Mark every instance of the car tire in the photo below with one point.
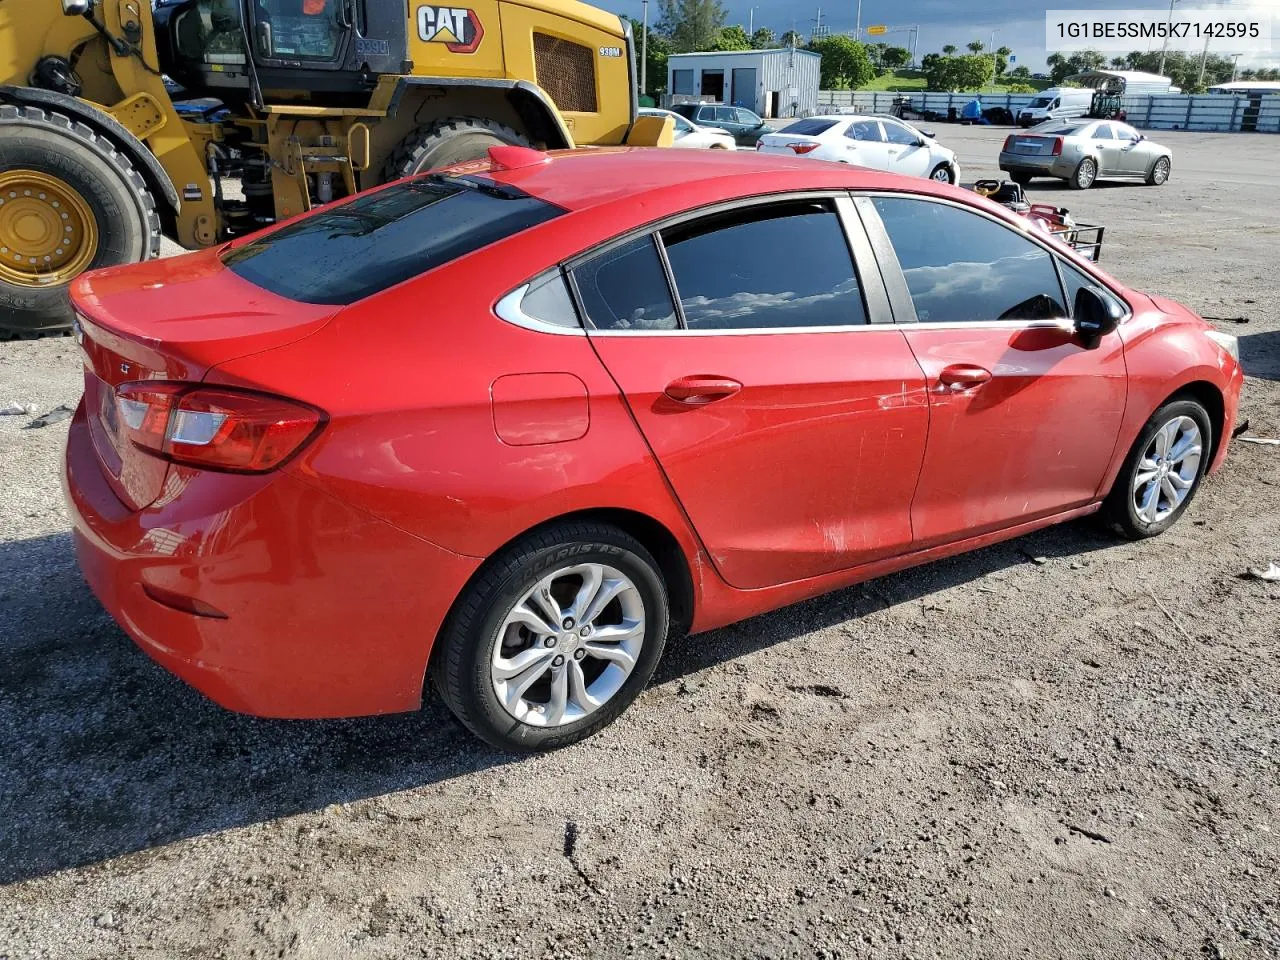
(465, 668)
(1021, 179)
(948, 176)
(1158, 175)
(1128, 508)
(1085, 174)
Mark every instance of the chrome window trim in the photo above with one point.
(745, 331)
(896, 279)
(510, 309)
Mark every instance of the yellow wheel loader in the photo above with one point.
(202, 120)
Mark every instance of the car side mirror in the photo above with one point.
(1095, 316)
(927, 133)
(76, 8)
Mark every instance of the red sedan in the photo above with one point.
(511, 426)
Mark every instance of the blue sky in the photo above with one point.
(1019, 25)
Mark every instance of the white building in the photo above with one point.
(1244, 88)
(1131, 83)
(773, 83)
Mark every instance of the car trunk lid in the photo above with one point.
(169, 320)
(1033, 146)
(782, 143)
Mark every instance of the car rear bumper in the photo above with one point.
(309, 608)
(1039, 166)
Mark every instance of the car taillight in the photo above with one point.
(214, 427)
(803, 147)
(1008, 144)
(759, 145)
(1057, 147)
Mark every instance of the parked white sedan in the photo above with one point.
(877, 142)
(691, 136)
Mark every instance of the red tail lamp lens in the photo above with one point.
(803, 147)
(1057, 146)
(215, 427)
(1008, 144)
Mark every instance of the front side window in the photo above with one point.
(625, 288)
(349, 251)
(780, 265)
(301, 29)
(1073, 279)
(896, 133)
(961, 267)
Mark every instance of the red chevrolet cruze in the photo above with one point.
(511, 426)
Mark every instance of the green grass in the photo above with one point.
(909, 81)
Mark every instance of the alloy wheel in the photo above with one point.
(1167, 471)
(568, 645)
(942, 175)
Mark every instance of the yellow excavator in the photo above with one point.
(202, 120)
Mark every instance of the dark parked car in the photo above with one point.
(745, 126)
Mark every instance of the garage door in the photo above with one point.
(744, 87)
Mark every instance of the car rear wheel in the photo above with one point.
(1159, 172)
(1084, 175)
(1163, 471)
(554, 638)
(942, 174)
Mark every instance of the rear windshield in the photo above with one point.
(809, 128)
(352, 251)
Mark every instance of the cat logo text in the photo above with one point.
(457, 28)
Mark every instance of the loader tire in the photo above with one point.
(444, 142)
(70, 201)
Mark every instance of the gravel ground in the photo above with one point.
(1063, 746)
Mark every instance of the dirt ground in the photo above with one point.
(1063, 746)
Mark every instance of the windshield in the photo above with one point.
(350, 251)
(1041, 102)
(810, 127)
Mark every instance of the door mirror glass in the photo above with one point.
(75, 8)
(1095, 316)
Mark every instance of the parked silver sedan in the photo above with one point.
(1081, 151)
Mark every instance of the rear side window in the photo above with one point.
(1103, 132)
(961, 267)
(777, 266)
(810, 127)
(625, 288)
(346, 253)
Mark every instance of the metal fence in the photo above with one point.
(1209, 112)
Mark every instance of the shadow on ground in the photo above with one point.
(106, 754)
(1260, 354)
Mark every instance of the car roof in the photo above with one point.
(598, 176)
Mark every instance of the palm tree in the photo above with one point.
(949, 49)
(1119, 63)
(975, 46)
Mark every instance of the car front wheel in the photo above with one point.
(1163, 471)
(942, 174)
(554, 638)
(1159, 172)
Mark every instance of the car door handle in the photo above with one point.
(700, 389)
(962, 376)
